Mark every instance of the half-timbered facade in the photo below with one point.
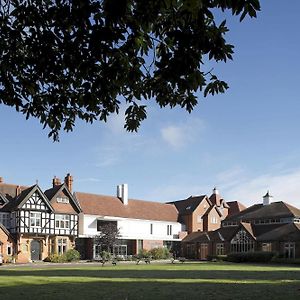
(40, 223)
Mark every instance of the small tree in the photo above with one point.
(108, 236)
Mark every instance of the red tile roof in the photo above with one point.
(102, 205)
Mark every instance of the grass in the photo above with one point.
(155, 281)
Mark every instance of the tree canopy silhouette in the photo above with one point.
(62, 60)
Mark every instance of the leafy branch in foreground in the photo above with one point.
(64, 60)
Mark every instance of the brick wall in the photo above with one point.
(150, 244)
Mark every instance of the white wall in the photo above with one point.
(130, 228)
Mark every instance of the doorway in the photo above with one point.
(35, 250)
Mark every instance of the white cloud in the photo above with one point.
(174, 192)
(179, 135)
(284, 186)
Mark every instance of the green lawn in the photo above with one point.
(155, 281)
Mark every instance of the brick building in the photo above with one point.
(269, 226)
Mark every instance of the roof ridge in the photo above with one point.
(131, 199)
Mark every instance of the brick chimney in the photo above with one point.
(1, 180)
(18, 190)
(69, 182)
(56, 181)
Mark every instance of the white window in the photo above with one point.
(62, 200)
(62, 221)
(35, 219)
(169, 229)
(199, 219)
(62, 246)
(214, 220)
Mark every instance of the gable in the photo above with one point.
(62, 200)
(62, 203)
(35, 201)
(3, 200)
(242, 236)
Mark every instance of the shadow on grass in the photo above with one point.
(148, 290)
(167, 273)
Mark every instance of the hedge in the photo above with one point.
(259, 256)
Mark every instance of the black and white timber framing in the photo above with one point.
(35, 215)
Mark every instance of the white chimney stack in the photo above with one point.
(122, 193)
(267, 198)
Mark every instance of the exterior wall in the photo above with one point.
(131, 228)
(188, 222)
(150, 244)
(5, 242)
(213, 226)
(67, 208)
(197, 213)
(48, 245)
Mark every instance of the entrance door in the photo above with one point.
(203, 251)
(35, 249)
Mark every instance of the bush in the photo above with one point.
(72, 255)
(56, 258)
(250, 257)
(105, 255)
(143, 253)
(160, 253)
(281, 260)
(69, 256)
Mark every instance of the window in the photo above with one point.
(214, 220)
(220, 249)
(242, 242)
(199, 219)
(289, 250)
(9, 250)
(120, 250)
(169, 229)
(151, 228)
(62, 246)
(35, 219)
(62, 221)
(266, 247)
(5, 219)
(52, 246)
(62, 200)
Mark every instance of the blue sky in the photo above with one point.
(244, 141)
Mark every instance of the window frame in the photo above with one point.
(33, 217)
(63, 221)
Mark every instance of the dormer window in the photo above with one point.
(62, 200)
(188, 207)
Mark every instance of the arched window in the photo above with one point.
(242, 242)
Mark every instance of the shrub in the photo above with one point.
(160, 253)
(281, 260)
(143, 253)
(105, 255)
(72, 255)
(56, 258)
(250, 257)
